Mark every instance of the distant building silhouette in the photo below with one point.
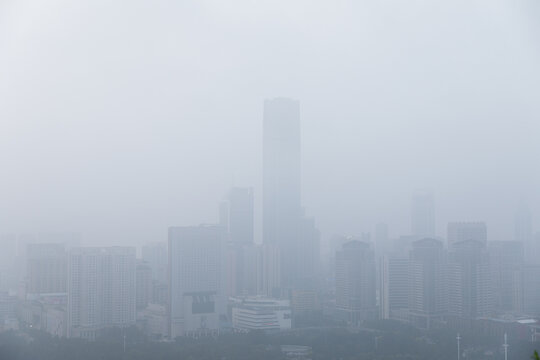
(460, 231)
(101, 289)
(427, 287)
(143, 277)
(506, 261)
(196, 279)
(46, 269)
(470, 290)
(281, 183)
(423, 215)
(155, 254)
(394, 289)
(355, 282)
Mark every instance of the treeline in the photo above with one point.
(383, 340)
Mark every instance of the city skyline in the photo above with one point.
(270, 179)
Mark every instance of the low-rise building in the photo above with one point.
(260, 313)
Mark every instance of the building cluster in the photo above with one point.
(463, 281)
(209, 278)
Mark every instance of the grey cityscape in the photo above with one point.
(269, 180)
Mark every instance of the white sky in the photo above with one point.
(118, 119)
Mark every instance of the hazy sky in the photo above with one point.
(120, 118)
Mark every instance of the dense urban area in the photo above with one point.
(209, 291)
(270, 180)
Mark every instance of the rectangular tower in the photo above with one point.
(355, 282)
(281, 182)
(196, 279)
(427, 287)
(101, 289)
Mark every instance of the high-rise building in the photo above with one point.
(269, 265)
(196, 279)
(423, 215)
(460, 231)
(355, 282)
(101, 289)
(470, 291)
(394, 290)
(281, 183)
(46, 269)
(237, 217)
(427, 288)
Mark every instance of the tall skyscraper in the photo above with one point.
(101, 289)
(196, 279)
(270, 270)
(237, 218)
(281, 182)
(427, 287)
(460, 231)
(355, 282)
(423, 215)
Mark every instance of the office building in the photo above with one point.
(236, 216)
(46, 269)
(394, 290)
(101, 290)
(269, 282)
(427, 288)
(506, 260)
(355, 283)
(260, 313)
(197, 277)
(281, 183)
(470, 290)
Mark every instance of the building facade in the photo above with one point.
(355, 283)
